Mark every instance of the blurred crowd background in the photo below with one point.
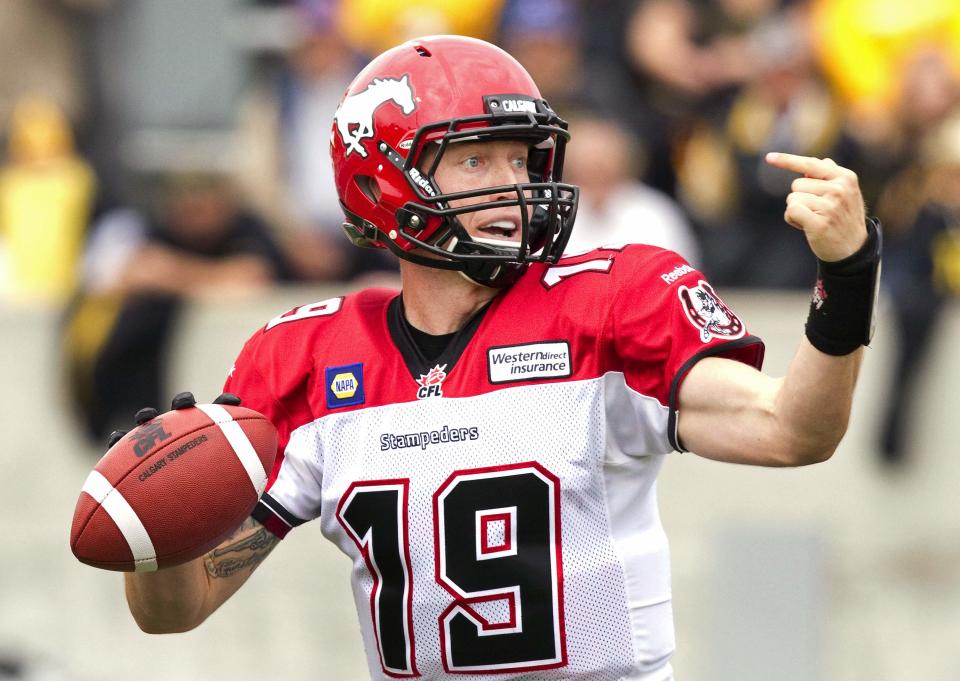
(158, 152)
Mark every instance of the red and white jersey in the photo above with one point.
(499, 504)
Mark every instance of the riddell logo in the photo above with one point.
(421, 182)
(431, 383)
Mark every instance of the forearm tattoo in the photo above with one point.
(251, 544)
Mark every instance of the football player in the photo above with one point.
(485, 444)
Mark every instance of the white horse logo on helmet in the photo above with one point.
(355, 116)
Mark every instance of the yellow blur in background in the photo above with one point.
(372, 26)
(863, 45)
(46, 194)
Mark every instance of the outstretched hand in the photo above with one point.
(825, 204)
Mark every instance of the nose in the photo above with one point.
(511, 173)
(506, 174)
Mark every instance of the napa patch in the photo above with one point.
(344, 385)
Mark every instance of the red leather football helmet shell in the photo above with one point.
(436, 90)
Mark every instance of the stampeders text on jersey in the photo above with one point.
(426, 438)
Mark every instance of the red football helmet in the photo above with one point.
(426, 94)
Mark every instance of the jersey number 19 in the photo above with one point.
(496, 540)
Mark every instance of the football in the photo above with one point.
(173, 488)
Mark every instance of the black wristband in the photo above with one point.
(841, 315)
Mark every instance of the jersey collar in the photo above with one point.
(417, 364)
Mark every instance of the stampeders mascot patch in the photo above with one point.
(707, 313)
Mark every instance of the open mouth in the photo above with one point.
(501, 230)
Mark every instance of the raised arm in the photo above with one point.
(179, 598)
(731, 412)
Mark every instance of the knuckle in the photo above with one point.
(115, 437)
(183, 400)
(228, 399)
(145, 414)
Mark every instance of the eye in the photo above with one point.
(520, 162)
(471, 162)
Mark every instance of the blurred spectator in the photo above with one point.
(616, 208)
(40, 53)
(285, 124)
(544, 36)
(693, 48)
(737, 198)
(921, 269)
(284, 133)
(136, 274)
(905, 169)
(690, 56)
(929, 92)
(46, 192)
(48, 50)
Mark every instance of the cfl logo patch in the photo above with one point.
(431, 383)
(429, 391)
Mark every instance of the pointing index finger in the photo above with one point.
(820, 168)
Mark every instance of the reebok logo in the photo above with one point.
(676, 273)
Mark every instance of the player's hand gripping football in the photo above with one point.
(180, 401)
(175, 486)
(825, 204)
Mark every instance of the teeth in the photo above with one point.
(505, 225)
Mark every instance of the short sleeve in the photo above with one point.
(292, 487)
(665, 318)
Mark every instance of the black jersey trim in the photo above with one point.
(273, 523)
(713, 351)
(271, 504)
(413, 357)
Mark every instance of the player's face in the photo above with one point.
(477, 165)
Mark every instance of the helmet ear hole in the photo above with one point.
(369, 186)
